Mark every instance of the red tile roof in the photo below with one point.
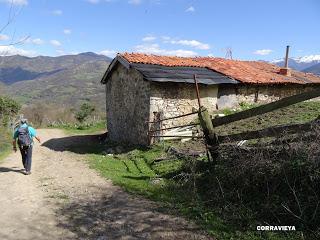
(243, 71)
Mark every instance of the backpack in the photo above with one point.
(24, 139)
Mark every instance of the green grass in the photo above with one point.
(5, 143)
(135, 172)
(131, 171)
(76, 129)
(298, 113)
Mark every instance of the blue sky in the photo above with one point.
(253, 29)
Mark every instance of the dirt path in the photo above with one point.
(64, 199)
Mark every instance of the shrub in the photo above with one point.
(8, 108)
(265, 183)
(276, 183)
(86, 109)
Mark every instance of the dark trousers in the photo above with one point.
(26, 154)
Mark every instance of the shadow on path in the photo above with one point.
(81, 144)
(5, 170)
(88, 144)
(120, 216)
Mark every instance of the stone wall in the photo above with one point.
(128, 106)
(174, 99)
(230, 96)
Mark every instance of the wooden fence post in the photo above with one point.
(156, 126)
(209, 134)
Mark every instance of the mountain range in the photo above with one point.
(304, 64)
(67, 80)
(72, 79)
(313, 69)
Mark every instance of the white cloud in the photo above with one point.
(277, 60)
(55, 43)
(4, 37)
(304, 59)
(263, 52)
(190, 9)
(149, 38)
(16, 2)
(166, 38)
(74, 52)
(135, 2)
(190, 43)
(11, 50)
(309, 58)
(155, 49)
(60, 52)
(108, 53)
(36, 41)
(67, 31)
(57, 12)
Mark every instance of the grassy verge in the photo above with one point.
(76, 129)
(297, 113)
(5, 143)
(165, 183)
(211, 198)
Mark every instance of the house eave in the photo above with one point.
(115, 61)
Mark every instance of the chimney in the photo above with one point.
(286, 71)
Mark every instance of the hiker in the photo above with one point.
(25, 134)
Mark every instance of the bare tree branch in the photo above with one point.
(11, 18)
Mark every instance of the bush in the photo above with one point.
(8, 108)
(5, 142)
(86, 109)
(266, 184)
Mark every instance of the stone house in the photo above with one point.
(141, 87)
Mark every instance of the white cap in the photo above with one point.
(24, 120)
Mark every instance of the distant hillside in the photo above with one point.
(313, 69)
(305, 64)
(297, 63)
(66, 80)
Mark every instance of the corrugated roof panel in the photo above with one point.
(181, 74)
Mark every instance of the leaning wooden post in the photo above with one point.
(208, 130)
(207, 127)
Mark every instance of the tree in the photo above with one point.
(8, 108)
(86, 109)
